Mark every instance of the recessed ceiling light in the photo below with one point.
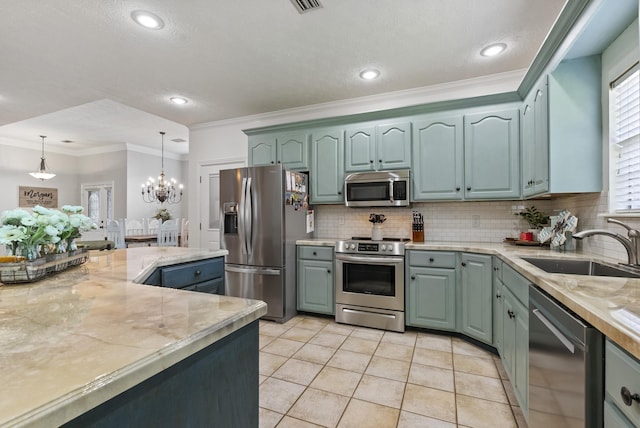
(493, 50)
(369, 74)
(178, 100)
(147, 19)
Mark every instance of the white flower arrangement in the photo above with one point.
(25, 234)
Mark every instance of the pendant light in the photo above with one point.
(42, 173)
(165, 190)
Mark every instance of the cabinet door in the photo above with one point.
(360, 149)
(491, 155)
(431, 300)
(498, 317)
(293, 150)
(316, 287)
(327, 166)
(476, 291)
(528, 147)
(521, 363)
(393, 145)
(437, 172)
(541, 139)
(262, 150)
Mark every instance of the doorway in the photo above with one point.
(97, 200)
(210, 201)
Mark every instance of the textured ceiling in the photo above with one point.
(235, 58)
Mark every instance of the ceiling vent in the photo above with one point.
(306, 5)
(179, 140)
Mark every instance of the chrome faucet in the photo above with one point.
(631, 244)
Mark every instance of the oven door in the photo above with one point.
(370, 281)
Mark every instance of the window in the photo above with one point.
(624, 140)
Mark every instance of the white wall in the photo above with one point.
(15, 165)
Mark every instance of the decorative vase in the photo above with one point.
(29, 251)
(376, 233)
(71, 244)
(61, 246)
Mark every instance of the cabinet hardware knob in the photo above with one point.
(463, 264)
(314, 253)
(468, 188)
(511, 314)
(431, 259)
(198, 272)
(371, 161)
(627, 397)
(498, 296)
(339, 192)
(458, 189)
(328, 270)
(278, 161)
(413, 277)
(272, 162)
(380, 160)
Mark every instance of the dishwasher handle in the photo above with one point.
(553, 329)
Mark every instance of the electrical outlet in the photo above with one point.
(475, 221)
(340, 220)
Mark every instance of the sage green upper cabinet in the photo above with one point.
(383, 146)
(262, 150)
(393, 148)
(360, 149)
(293, 150)
(438, 172)
(492, 155)
(290, 149)
(327, 166)
(535, 142)
(476, 314)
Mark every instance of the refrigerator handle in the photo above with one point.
(249, 217)
(241, 216)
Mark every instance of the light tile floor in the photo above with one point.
(315, 372)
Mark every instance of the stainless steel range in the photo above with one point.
(370, 283)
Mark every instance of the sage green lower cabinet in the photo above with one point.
(498, 324)
(476, 313)
(622, 375)
(512, 317)
(431, 291)
(316, 285)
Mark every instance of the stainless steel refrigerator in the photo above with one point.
(264, 211)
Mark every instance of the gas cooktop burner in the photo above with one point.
(364, 238)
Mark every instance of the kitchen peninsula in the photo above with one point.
(93, 346)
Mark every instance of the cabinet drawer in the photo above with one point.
(613, 418)
(622, 370)
(517, 284)
(315, 253)
(432, 259)
(180, 276)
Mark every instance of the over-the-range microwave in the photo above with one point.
(377, 189)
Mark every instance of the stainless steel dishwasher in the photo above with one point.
(566, 385)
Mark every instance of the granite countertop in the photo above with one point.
(72, 341)
(612, 305)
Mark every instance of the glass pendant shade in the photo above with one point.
(42, 174)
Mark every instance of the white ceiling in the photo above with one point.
(84, 71)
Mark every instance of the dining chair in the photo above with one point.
(184, 233)
(115, 233)
(168, 234)
(133, 227)
(153, 226)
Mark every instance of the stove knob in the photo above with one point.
(383, 247)
(352, 246)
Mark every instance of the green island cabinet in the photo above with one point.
(622, 386)
(511, 327)
(475, 311)
(316, 287)
(206, 276)
(431, 289)
(562, 130)
(378, 146)
(327, 166)
(438, 158)
(492, 154)
(290, 149)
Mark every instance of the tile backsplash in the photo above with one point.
(475, 221)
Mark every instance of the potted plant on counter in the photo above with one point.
(536, 220)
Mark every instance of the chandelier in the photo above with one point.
(165, 190)
(42, 173)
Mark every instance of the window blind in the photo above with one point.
(625, 140)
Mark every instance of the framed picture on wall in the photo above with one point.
(29, 197)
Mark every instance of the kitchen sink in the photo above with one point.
(581, 267)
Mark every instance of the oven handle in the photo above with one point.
(361, 259)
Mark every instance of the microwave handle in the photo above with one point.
(391, 191)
